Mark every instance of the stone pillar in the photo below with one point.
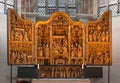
(19, 7)
(107, 4)
(5, 7)
(95, 8)
(78, 6)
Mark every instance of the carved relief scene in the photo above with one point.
(98, 53)
(20, 39)
(98, 40)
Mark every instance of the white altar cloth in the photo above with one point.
(61, 81)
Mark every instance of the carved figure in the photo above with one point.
(106, 59)
(46, 51)
(72, 52)
(21, 36)
(12, 35)
(17, 35)
(90, 36)
(95, 36)
(91, 59)
(63, 73)
(99, 37)
(103, 36)
(25, 36)
(24, 56)
(64, 50)
(80, 51)
(40, 51)
(54, 48)
(107, 36)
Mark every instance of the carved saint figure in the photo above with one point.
(12, 35)
(64, 50)
(95, 36)
(46, 50)
(79, 51)
(63, 72)
(25, 36)
(99, 36)
(107, 36)
(40, 51)
(90, 36)
(103, 36)
(21, 36)
(25, 58)
(73, 51)
(17, 35)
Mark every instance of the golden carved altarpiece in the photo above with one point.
(61, 44)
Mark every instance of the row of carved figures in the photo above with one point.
(98, 36)
(61, 72)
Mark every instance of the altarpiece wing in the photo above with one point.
(99, 41)
(20, 39)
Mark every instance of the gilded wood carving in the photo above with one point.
(62, 45)
(99, 41)
(20, 39)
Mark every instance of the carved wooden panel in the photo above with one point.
(20, 39)
(99, 41)
(43, 43)
(59, 44)
(77, 43)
